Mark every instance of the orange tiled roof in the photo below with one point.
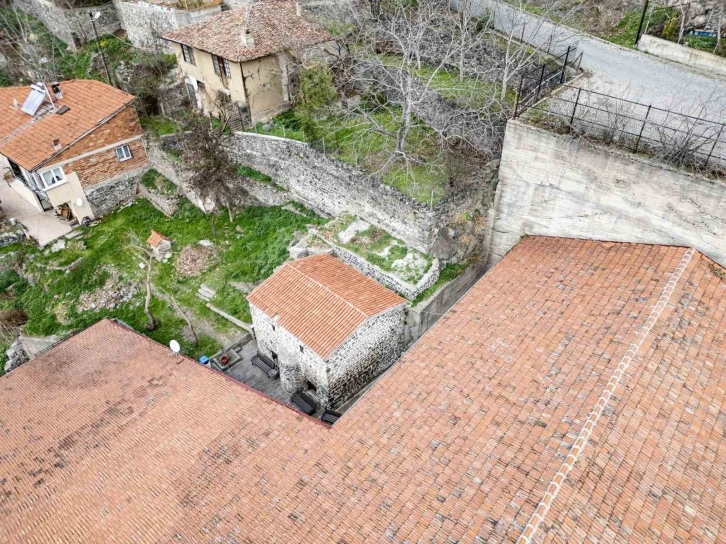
(274, 25)
(460, 441)
(155, 239)
(321, 300)
(28, 140)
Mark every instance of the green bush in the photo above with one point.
(671, 29)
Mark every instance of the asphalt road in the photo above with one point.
(619, 71)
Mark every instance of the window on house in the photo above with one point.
(215, 65)
(188, 53)
(227, 71)
(221, 65)
(52, 177)
(123, 153)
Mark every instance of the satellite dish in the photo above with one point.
(175, 347)
(79, 202)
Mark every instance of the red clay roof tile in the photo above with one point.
(321, 300)
(109, 436)
(28, 140)
(274, 25)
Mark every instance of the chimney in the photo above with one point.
(56, 144)
(298, 9)
(249, 39)
(57, 91)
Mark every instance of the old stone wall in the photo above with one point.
(166, 204)
(408, 290)
(145, 23)
(555, 185)
(332, 187)
(296, 366)
(173, 169)
(107, 196)
(371, 349)
(71, 25)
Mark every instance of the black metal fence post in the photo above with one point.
(577, 101)
(564, 66)
(642, 18)
(640, 135)
(718, 138)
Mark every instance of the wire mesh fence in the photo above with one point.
(680, 139)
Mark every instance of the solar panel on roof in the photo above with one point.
(34, 100)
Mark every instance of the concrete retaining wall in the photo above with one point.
(424, 315)
(65, 23)
(555, 185)
(685, 55)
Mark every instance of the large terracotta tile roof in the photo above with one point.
(273, 24)
(321, 300)
(576, 394)
(28, 140)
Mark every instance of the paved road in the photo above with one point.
(619, 71)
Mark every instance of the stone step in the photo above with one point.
(75, 233)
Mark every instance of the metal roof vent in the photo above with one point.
(62, 110)
(34, 100)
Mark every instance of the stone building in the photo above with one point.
(74, 146)
(241, 63)
(329, 328)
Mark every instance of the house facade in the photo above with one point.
(329, 329)
(74, 147)
(240, 64)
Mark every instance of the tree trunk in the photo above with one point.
(152, 324)
(404, 129)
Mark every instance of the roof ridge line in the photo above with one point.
(554, 487)
(316, 282)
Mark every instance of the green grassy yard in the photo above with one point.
(246, 250)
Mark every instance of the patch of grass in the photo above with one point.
(285, 125)
(249, 172)
(158, 125)
(249, 249)
(627, 30)
(450, 272)
(155, 182)
(378, 247)
(706, 43)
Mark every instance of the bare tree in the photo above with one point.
(147, 258)
(527, 37)
(34, 54)
(213, 175)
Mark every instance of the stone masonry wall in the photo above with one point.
(174, 170)
(372, 348)
(554, 185)
(63, 23)
(391, 281)
(375, 346)
(334, 188)
(145, 23)
(295, 366)
(107, 196)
